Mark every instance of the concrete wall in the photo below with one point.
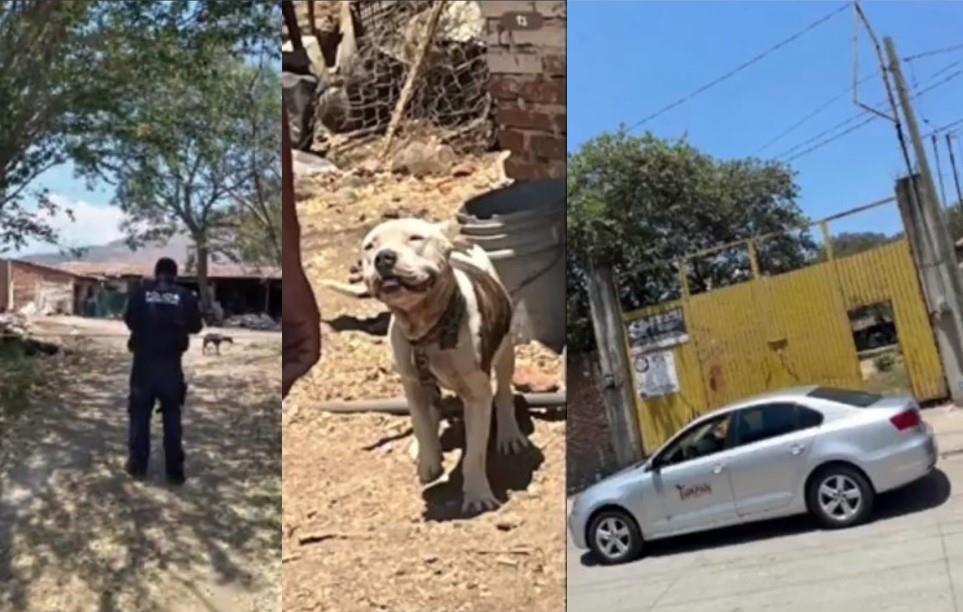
(528, 86)
(589, 453)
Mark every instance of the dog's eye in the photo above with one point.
(368, 246)
(416, 238)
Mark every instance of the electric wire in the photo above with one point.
(740, 67)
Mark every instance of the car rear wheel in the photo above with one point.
(615, 537)
(840, 496)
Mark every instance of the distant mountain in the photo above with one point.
(177, 248)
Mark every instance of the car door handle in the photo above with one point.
(797, 448)
(718, 469)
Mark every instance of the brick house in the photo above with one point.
(49, 289)
(526, 59)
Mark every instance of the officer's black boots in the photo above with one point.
(137, 473)
(176, 476)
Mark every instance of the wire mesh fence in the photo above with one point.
(450, 99)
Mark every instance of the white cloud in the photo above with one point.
(92, 225)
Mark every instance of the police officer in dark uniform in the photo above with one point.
(160, 315)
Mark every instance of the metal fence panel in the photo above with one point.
(786, 330)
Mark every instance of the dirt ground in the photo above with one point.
(360, 533)
(76, 533)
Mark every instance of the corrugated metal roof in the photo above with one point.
(45, 268)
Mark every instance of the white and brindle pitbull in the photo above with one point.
(450, 327)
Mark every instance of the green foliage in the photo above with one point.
(68, 69)
(47, 76)
(640, 203)
(851, 243)
(954, 221)
(190, 140)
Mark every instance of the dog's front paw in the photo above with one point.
(429, 469)
(478, 501)
(511, 442)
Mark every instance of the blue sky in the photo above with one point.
(627, 59)
(95, 220)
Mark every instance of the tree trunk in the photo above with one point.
(203, 254)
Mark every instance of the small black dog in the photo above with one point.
(216, 340)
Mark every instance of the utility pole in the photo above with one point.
(939, 272)
(939, 171)
(618, 392)
(956, 177)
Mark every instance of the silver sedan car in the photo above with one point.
(814, 449)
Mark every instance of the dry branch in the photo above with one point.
(413, 75)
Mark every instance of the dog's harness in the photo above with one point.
(444, 332)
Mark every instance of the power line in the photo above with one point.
(825, 142)
(829, 130)
(945, 68)
(809, 116)
(947, 127)
(950, 77)
(849, 120)
(740, 67)
(933, 52)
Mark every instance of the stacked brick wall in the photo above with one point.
(528, 85)
(29, 281)
(589, 453)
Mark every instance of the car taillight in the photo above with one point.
(906, 420)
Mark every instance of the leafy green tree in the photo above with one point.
(641, 203)
(48, 78)
(68, 67)
(190, 80)
(257, 195)
(181, 161)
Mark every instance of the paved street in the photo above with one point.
(909, 558)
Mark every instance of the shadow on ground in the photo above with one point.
(71, 519)
(928, 493)
(506, 473)
(376, 325)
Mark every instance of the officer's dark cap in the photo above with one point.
(165, 267)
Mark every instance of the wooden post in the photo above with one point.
(291, 22)
(314, 26)
(413, 74)
(618, 392)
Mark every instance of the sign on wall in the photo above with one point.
(658, 331)
(655, 374)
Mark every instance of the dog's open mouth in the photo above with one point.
(393, 284)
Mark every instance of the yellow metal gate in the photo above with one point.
(784, 330)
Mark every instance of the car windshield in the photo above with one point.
(859, 399)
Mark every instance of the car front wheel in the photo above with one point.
(840, 496)
(614, 537)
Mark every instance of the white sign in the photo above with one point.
(658, 331)
(655, 374)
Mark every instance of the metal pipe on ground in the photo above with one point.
(399, 405)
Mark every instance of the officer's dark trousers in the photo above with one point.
(155, 380)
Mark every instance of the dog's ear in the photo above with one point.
(451, 230)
